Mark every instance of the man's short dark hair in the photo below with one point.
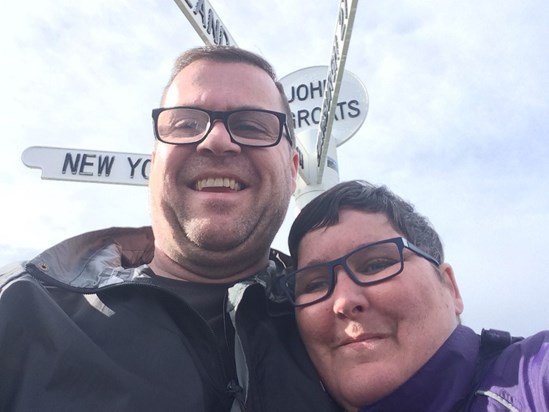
(231, 54)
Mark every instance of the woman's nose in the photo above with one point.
(349, 299)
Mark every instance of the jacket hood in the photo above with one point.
(96, 259)
(103, 258)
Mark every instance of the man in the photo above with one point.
(378, 310)
(93, 324)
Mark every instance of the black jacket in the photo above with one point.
(83, 328)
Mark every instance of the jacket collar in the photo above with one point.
(443, 381)
(92, 261)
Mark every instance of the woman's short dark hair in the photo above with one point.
(323, 211)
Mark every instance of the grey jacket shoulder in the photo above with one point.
(102, 258)
(11, 272)
(112, 328)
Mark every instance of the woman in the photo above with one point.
(378, 310)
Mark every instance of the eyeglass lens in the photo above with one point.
(368, 264)
(250, 127)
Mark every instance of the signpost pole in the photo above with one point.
(305, 90)
(97, 166)
(342, 37)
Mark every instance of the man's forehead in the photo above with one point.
(230, 84)
(213, 71)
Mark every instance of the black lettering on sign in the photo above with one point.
(315, 115)
(82, 164)
(73, 165)
(223, 35)
(316, 88)
(133, 165)
(144, 170)
(341, 20)
(213, 26)
(304, 91)
(303, 118)
(210, 23)
(85, 163)
(105, 165)
(328, 96)
(199, 8)
(340, 106)
(354, 110)
(345, 110)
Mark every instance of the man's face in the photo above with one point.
(227, 224)
(366, 341)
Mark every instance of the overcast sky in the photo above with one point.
(458, 120)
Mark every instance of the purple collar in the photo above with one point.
(441, 382)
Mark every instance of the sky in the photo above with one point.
(457, 123)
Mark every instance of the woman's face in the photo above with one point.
(365, 341)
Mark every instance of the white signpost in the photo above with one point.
(342, 38)
(89, 165)
(309, 183)
(305, 91)
(205, 21)
(318, 111)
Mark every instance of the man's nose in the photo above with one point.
(218, 141)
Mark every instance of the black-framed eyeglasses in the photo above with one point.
(247, 127)
(366, 265)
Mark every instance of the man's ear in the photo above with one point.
(449, 280)
(294, 165)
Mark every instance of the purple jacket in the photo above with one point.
(517, 380)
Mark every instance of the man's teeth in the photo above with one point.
(218, 182)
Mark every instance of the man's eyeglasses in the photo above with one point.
(367, 265)
(246, 127)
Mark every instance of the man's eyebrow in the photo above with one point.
(244, 107)
(248, 107)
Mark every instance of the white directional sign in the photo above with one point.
(305, 91)
(326, 101)
(205, 21)
(89, 165)
(342, 37)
